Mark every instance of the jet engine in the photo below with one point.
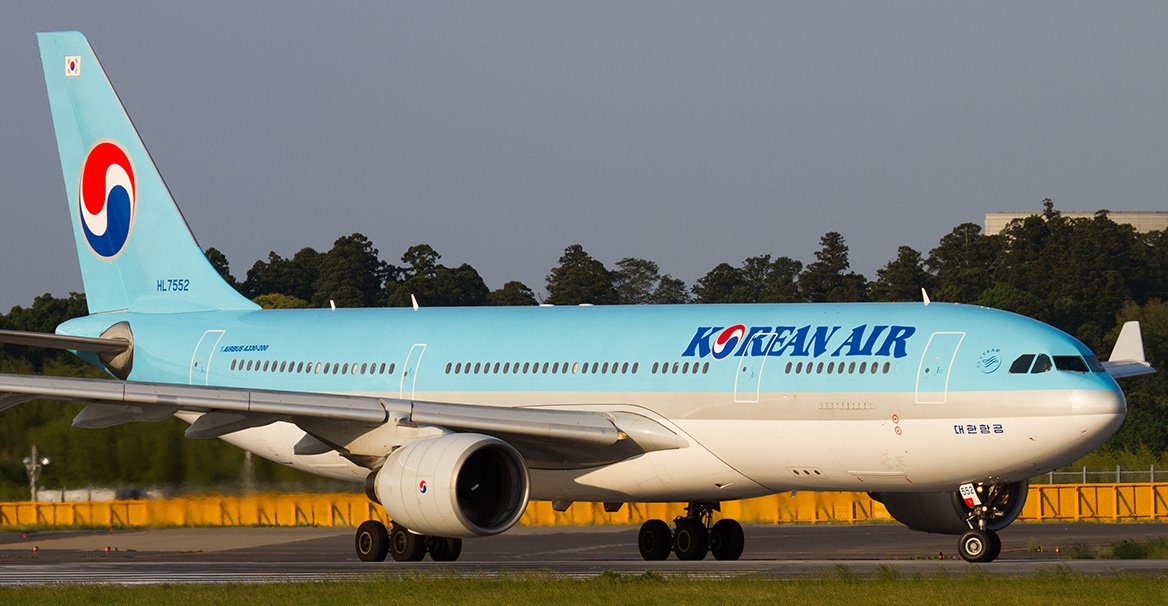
(456, 485)
(946, 512)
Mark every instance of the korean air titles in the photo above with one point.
(800, 341)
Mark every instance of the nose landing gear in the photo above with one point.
(693, 536)
(980, 543)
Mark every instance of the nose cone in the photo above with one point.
(1098, 413)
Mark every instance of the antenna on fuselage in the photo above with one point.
(414, 301)
(925, 296)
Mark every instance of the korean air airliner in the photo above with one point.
(454, 418)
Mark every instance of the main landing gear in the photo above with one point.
(374, 543)
(693, 536)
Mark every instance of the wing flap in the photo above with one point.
(582, 427)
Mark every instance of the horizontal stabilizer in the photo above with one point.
(1127, 358)
(52, 341)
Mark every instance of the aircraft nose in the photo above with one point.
(1098, 413)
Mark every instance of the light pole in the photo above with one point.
(33, 466)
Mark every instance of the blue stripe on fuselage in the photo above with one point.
(778, 335)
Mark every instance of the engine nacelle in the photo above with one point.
(946, 513)
(456, 485)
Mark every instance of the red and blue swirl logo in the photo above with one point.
(422, 487)
(727, 341)
(107, 198)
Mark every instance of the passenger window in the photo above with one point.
(1041, 364)
(1022, 364)
(1070, 363)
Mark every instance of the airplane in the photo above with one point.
(455, 418)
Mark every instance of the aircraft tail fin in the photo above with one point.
(134, 246)
(1127, 358)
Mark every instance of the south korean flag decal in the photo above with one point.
(73, 65)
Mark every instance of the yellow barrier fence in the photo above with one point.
(1053, 502)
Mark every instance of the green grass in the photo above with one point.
(842, 587)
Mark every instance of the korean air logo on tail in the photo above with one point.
(107, 199)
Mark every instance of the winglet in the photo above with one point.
(1127, 358)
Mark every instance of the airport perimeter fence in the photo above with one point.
(1117, 502)
(1118, 474)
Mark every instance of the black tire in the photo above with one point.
(691, 541)
(727, 540)
(372, 541)
(977, 546)
(654, 540)
(995, 546)
(443, 549)
(406, 546)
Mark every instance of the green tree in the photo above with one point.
(277, 300)
(671, 291)
(512, 293)
(723, 284)
(963, 264)
(434, 284)
(350, 274)
(827, 279)
(580, 279)
(219, 262)
(902, 278)
(640, 281)
(294, 277)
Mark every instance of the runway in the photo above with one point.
(259, 555)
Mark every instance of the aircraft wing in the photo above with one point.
(548, 435)
(1127, 358)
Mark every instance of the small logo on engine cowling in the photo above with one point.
(422, 487)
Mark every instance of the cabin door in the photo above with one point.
(201, 358)
(935, 367)
(409, 378)
(749, 377)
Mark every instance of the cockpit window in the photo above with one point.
(1070, 363)
(1094, 364)
(1022, 364)
(1041, 364)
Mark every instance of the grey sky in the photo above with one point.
(686, 133)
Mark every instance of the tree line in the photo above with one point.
(1085, 276)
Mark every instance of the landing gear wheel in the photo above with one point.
(654, 540)
(372, 541)
(406, 546)
(727, 540)
(690, 539)
(995, 546)
(443, 550)
(978, 546)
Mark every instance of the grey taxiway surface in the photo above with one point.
(216, 555)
